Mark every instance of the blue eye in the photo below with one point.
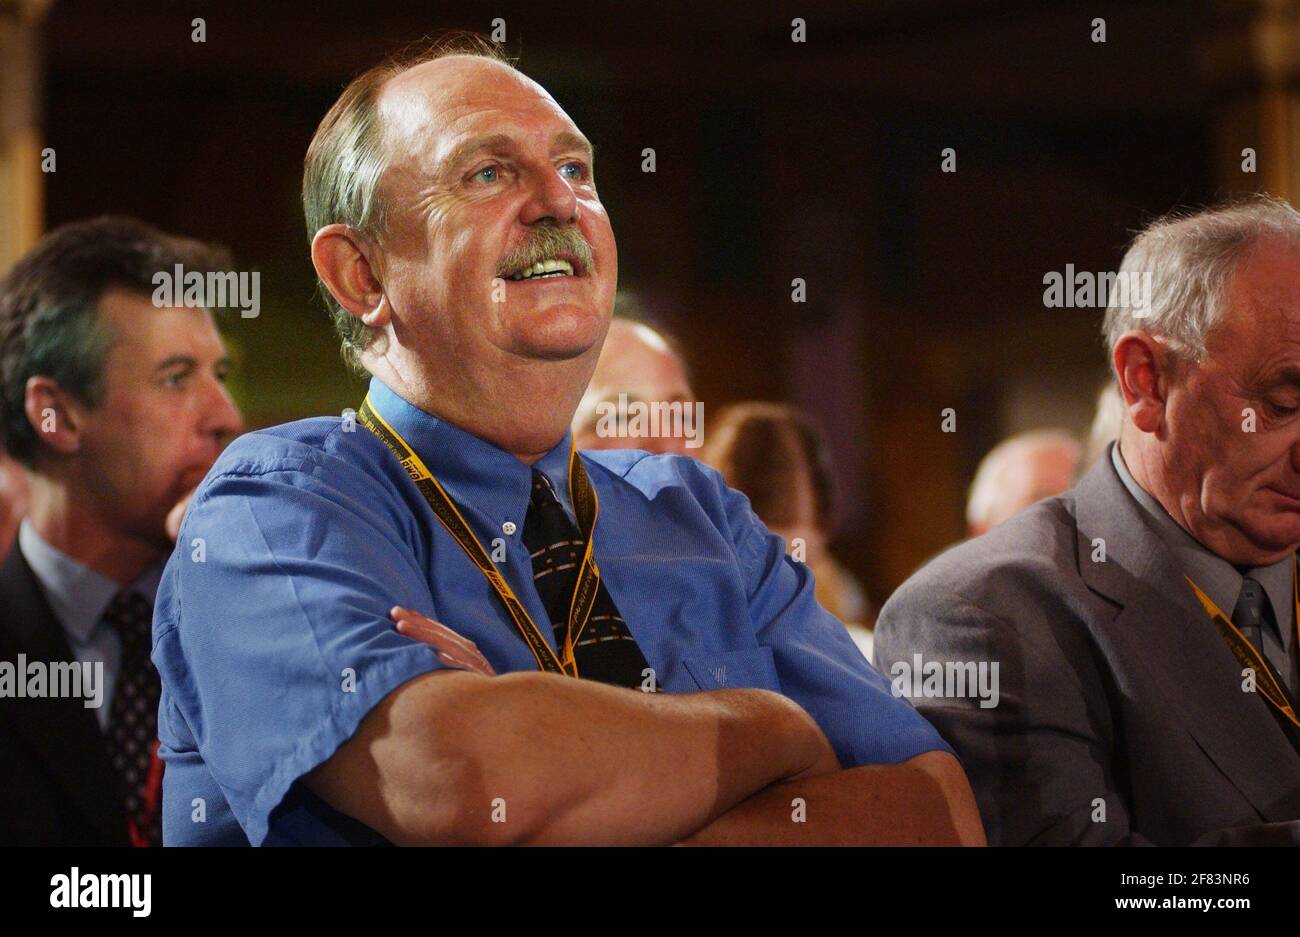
(579, 170)
(486, 174)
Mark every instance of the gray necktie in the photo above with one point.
(1253, 613)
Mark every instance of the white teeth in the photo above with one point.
(543, 267)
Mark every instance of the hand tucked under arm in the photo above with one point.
(923, 801)
(453, 649)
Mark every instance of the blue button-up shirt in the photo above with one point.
(272, 634)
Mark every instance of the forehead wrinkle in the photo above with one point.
(412, 106)
(1276, 361)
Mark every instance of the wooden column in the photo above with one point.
(22, 203)
(1252, 59)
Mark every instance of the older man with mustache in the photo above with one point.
(471, 267)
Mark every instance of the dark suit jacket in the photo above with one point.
(1115, 687)
(58, 786)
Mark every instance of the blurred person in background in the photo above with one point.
(1018, 472)
(13, 501)
(115, 408)
(774, 455)
(645, 365)
(1106, 423)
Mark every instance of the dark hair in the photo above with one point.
(49, 309)
(761, 449)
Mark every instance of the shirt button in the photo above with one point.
(508, 528)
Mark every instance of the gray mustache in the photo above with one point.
(547, 242)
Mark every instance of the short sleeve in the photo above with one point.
(272, 634)
(818, 664)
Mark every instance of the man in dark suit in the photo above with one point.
(1141, 628)
(115, 407)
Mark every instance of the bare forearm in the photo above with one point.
(568, 761)
(924, 801)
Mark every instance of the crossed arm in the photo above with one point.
(465, 756)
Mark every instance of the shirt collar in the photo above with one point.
(473, 471)
(1218, 578)
(78, 595)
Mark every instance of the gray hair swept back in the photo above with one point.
(1191, 257)
(347, 158)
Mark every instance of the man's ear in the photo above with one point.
(1144, 367)
(342, 258)
(53, 414)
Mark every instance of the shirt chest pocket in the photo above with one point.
(750, 668)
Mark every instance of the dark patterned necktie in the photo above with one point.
(606, 650)
(133, 718)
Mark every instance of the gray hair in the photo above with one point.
(1191, 258)
(347, 159)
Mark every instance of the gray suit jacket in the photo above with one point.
(1114, 686)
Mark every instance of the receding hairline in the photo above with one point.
(638, 333)
(441, 61)
(404, 85)
(624, 339)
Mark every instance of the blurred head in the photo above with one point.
(644, 365)
(1107, 419)
(1016, 473)
(1211, 378)
(13, 501)
(456, 224)
(118, 403)
(775, 456)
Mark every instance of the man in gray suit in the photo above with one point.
(1124, 706)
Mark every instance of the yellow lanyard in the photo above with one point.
(1246, 653)
(585, 506)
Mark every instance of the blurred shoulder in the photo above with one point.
(1033, 554)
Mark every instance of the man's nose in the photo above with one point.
(551, 197)
(222, 416)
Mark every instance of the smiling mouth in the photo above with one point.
(546, 269)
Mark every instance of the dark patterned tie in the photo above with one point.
(133, 719)
(606, 650)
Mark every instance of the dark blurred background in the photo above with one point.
(775, 160)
